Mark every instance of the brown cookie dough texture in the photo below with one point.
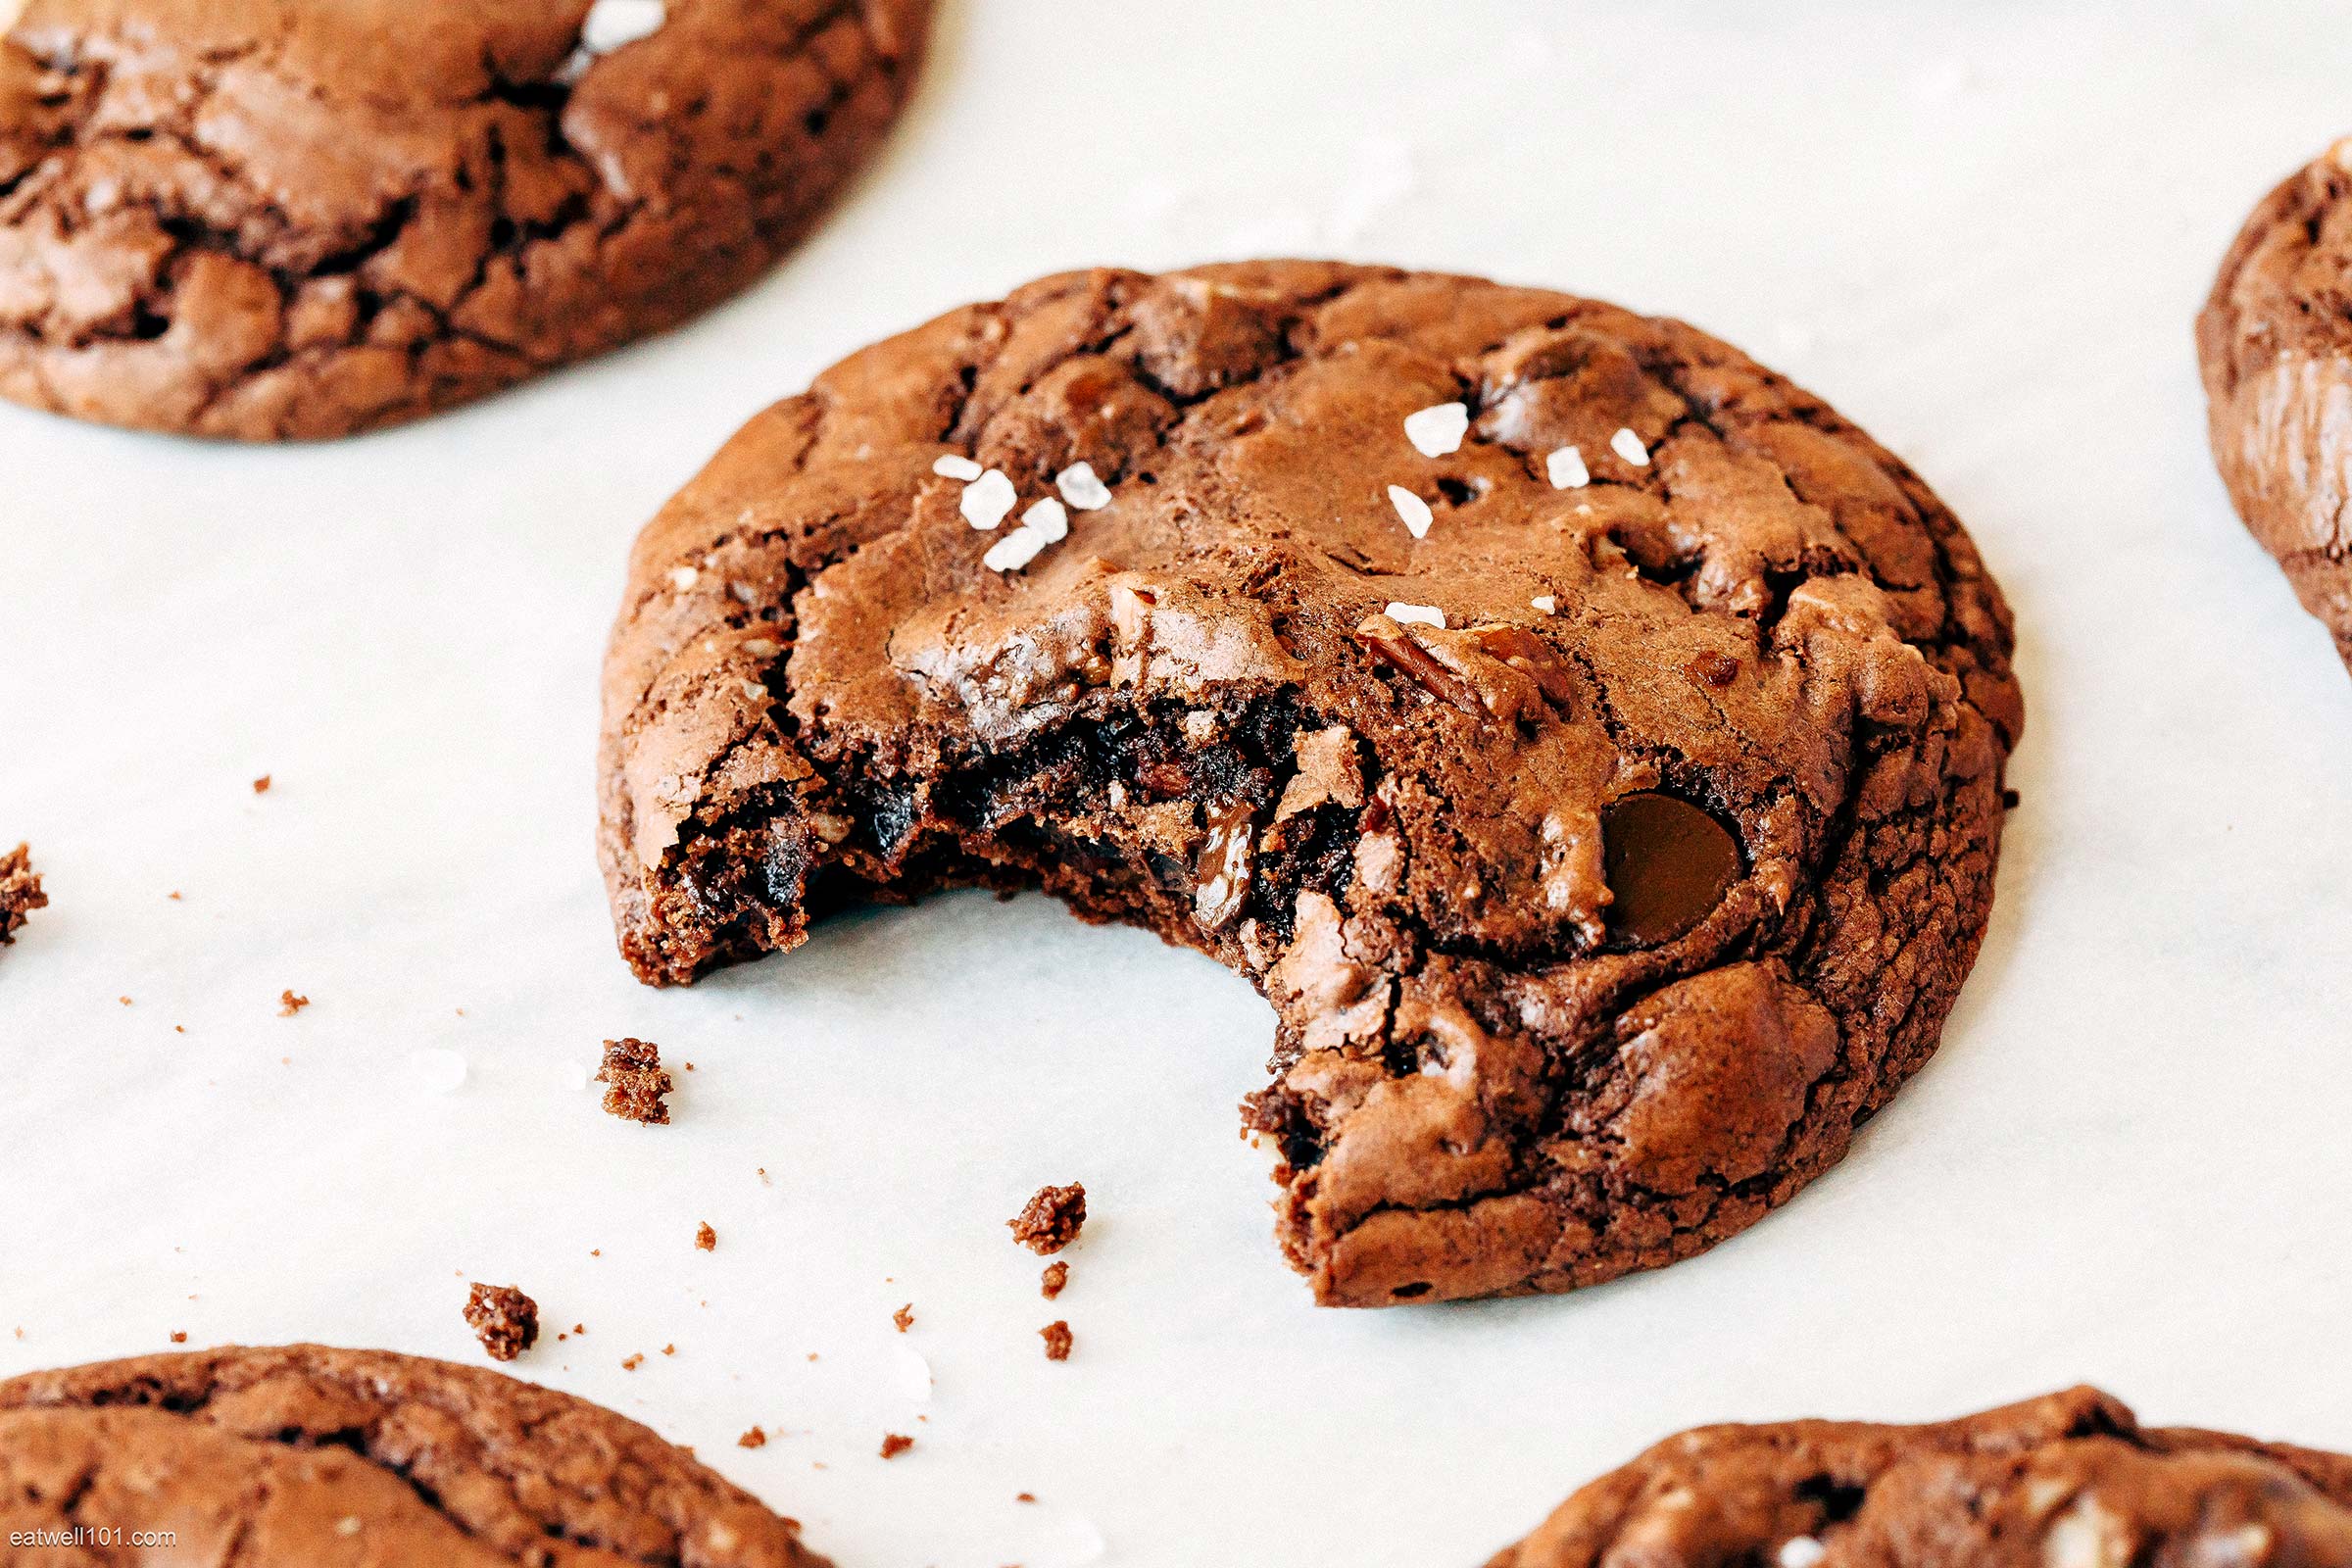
(282, 219)
(1591, 931)
(309, 1458)
(2275, 341)
(2067, 1481)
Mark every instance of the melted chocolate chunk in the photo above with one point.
(1668, 864)
(1225, 868)
(1400, 651)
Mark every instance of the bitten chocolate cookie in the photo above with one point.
(2275, 341)
(2067, 1481)
(282, 219)
(307, 1457)
(1589, 743)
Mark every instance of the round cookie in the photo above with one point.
(282, 220)
(2275, 342)
(2067, 1481)
(310, 1457)
(1589, 743)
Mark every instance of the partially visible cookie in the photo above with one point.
(2275, 341)
(1589, 743)
(310, 1457)
(282, 219)
(2067, 1481)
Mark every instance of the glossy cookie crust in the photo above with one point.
(278, 219)
(1594, 919)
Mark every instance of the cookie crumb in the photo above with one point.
(1024, 1497)
(705, 1240)
(669, 1350)
(904, 1317)
(288, 1003)
(1056, 1276)
(754, 1439)
(19, 892)
(179, 1336)
(1053, 1218)
(635, 1082)
(633, 1363)
(503, 1318)
(261, 786)
(1057, 1336)
(893, 1445)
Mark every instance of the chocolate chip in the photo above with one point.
(1668, 864)
(1225, 866)
(1715, 669)
(1396, 648)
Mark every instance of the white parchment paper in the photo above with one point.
(1980, 229)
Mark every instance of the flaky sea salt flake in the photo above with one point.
(1437, 430)
(1080, 487)
(1567, 470)
(1014, 551)
(1416, 614)
(988, 500)
(1412, 508)
(611, 24)
(1627, 445)
(1049, 520)
(951, 466)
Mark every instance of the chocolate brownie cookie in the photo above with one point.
(304, 1456)
(2275, 341)
(282, 219)
(1588, 742)
(2067, 1481)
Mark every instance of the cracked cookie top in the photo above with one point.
(284, 220)
(2067, 1481)
(305, 1456)
(1590, 742)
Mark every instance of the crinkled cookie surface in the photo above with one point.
(1608, 850)
(286, 218)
